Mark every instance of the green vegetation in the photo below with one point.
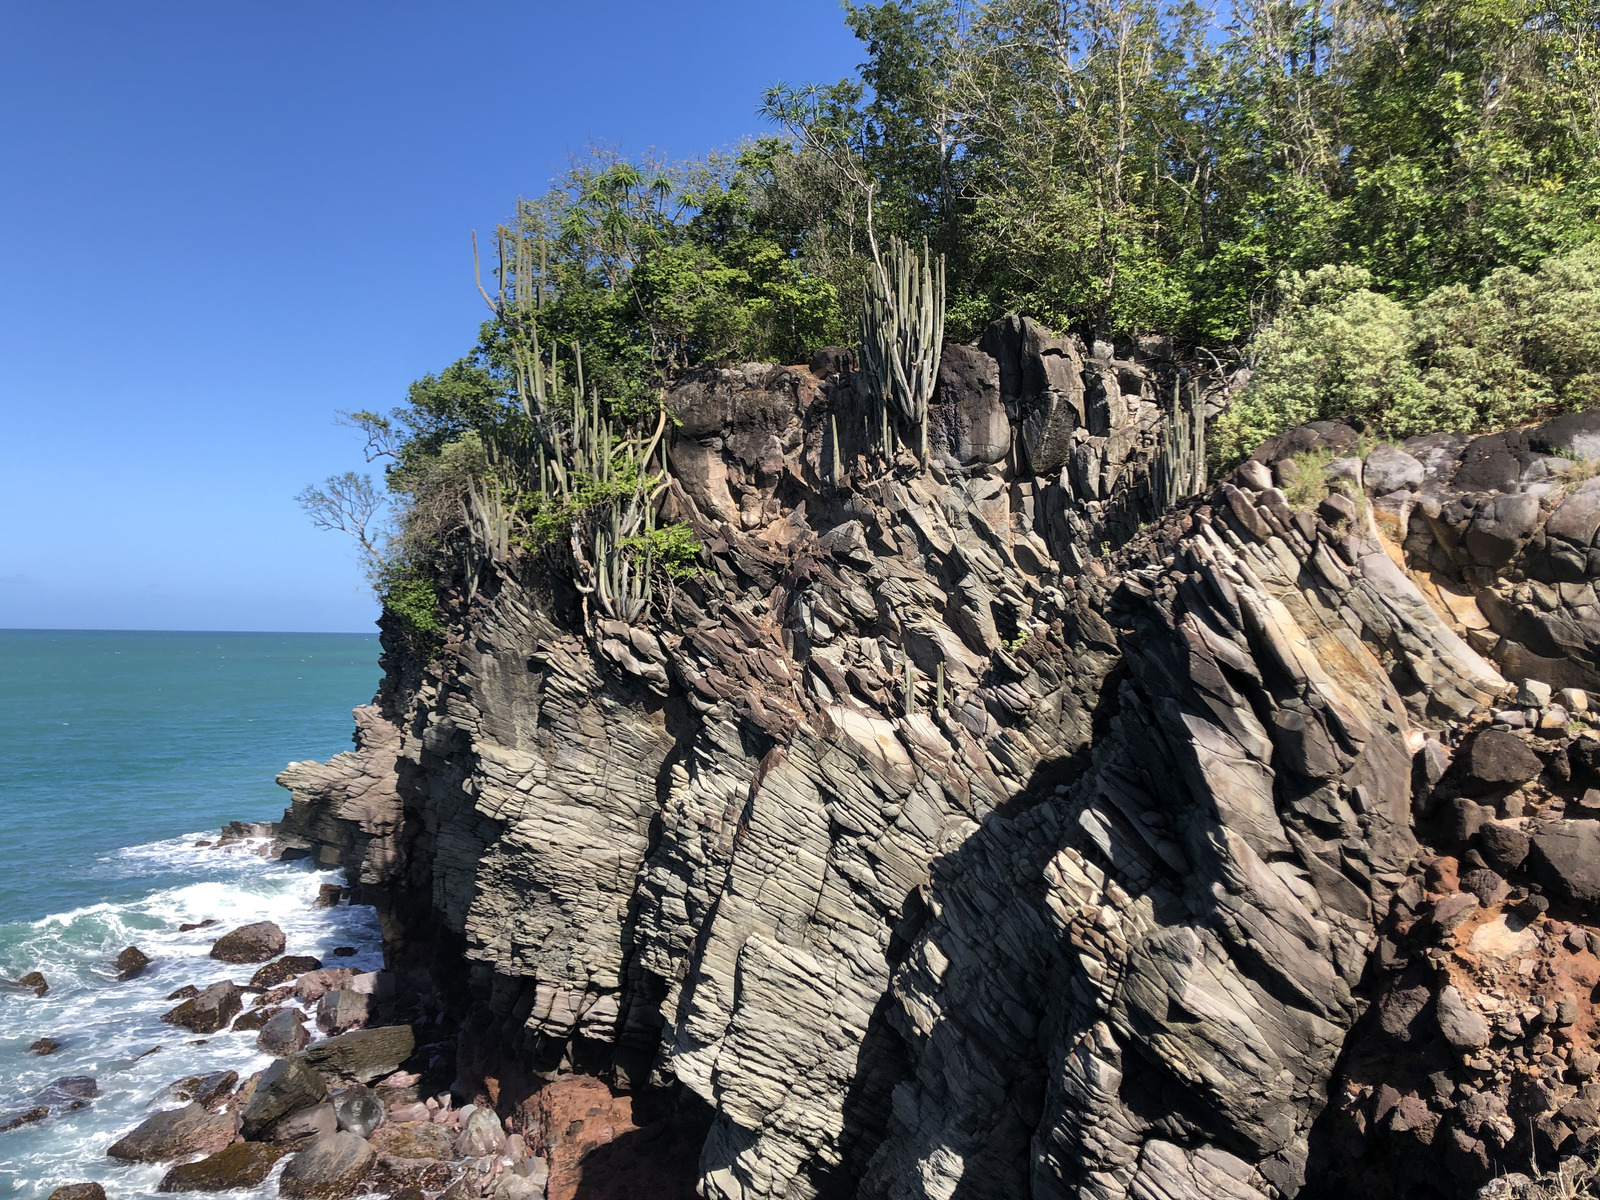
(416, 602)
(1389, 209)
(1517, 347)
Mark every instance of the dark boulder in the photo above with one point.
(1503, 846)
(330, 1168)
(283, 970)
(241, 1165)
(187, 991)
(328, 896)
(287, 1086)
(23, 1116)
(283, 1034)
(363, 1055)
(188, 926)
(177, 1133)
(1565, 858)
(131, 963)
(254, 1018)
(33, 982)
(249, 943)
(968, 419)
(44, 1046)
(1500, 527)
(79, 1191)
(209, 1011)
(1497, 760)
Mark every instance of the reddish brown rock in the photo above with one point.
(176, 1133)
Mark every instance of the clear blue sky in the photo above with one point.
(220, 220)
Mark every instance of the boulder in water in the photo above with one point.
(44, 1046)
(186, 992)
(33, 982)
(209, 1011)
(330, 1168)
(211, 1090)
(283, 970)
(192, 925)
(79, 1191)
(249, 943)
(283, 1034)
(313, 985)
(329, 895)
(241, 1165)
(131, 963)
(177, 1133)
(287, 1086)
(23, 1116)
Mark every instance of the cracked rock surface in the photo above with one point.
(976, 830)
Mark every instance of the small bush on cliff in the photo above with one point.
(1519, 347)
(416, 602)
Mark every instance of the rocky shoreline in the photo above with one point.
(351, 1106)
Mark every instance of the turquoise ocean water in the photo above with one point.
(117, 752)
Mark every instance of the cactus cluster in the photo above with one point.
(1180, 468)
(902, 332)
(596, 486)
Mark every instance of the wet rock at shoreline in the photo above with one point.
(210, 1010)
(211, 1090)
(189, 926)
(25, 1116)
(241, 1165)
(33, 982)
(329, 895)
(254, 1019)
(284, 1034)
(176, 1133)
(79, 1191)
(284, 969)
(253, 943)
(44, 1046)
(131, 963)
(330, 1168)
(287, 1086)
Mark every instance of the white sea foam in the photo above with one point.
(106, 1025)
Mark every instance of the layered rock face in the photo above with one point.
(977, 830)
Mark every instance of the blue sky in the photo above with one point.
(221, 221)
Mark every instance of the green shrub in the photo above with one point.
(416, 602)
(1520, 347)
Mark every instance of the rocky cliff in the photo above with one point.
(998, 828)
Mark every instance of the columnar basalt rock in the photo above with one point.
(978, 830)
